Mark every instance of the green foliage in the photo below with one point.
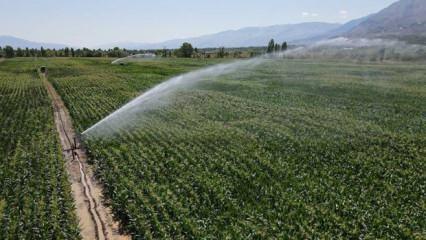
(35, 195)
(284, 46)
(66, 52)
(119, 53)
(19, 52)
(185, 51)
(271, 46)
(43, 52)
(8, 51)
(289, 150)
(2, 206)
(221, 52)
(276, 47)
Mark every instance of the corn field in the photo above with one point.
(35, 195)
(291, 149)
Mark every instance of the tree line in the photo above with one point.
(10, 52)
(276, 47)
(185, 51)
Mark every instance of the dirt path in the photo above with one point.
(96, 221)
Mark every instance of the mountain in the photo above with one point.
(22, 43)
(404, 20)
(245, 37)
(337, 32)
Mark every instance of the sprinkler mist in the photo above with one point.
(160, 95)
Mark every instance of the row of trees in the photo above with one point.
(188, 51)
(275, 47)
(10, 52)
(185, 51)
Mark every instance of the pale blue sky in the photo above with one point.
(95, 22)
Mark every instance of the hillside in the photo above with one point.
(22, 43)
(343, 29)
(404, 20)
(245, 37)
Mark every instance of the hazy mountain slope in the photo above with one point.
(343, 29)
(404, 20)
(22, 43)
(245, 37)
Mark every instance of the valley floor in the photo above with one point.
(288, 149)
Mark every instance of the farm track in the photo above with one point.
(96, 222)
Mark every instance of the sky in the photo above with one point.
(96, 22)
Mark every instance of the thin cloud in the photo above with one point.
(344, 14)
(309, 14)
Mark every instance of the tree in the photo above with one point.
(271, 46)
(19, 52)
(116, 52)
(164, 52)
(67, 52)
(8, 52)
(33, 52)
(284, 46)
(277, 47)
(221, 53)
(42, 52)
(185, 50)
(72, 52)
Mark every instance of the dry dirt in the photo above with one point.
(96, 221)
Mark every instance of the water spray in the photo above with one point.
(135, 57)
(160, 94)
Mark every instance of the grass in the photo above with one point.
(291, 149)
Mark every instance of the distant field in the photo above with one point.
(292, 149)
(35, 195)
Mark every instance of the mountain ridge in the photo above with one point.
(244, 37)
(16, 42)
(403, 20)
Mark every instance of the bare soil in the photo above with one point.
(96, 221)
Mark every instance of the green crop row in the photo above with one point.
(35, 195)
